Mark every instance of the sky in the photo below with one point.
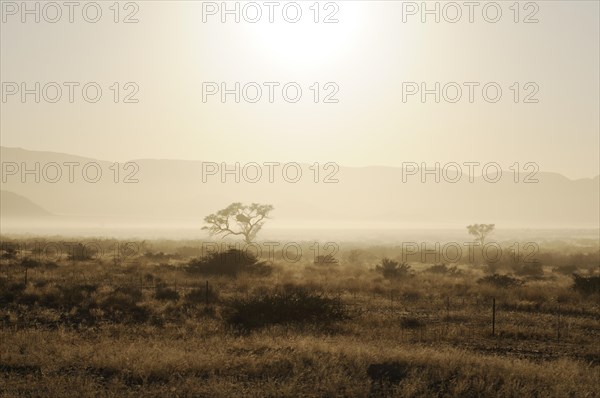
(363, 66)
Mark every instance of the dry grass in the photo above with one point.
(151, 329)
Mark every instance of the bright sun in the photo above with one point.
(306, 42)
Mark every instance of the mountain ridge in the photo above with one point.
(174, 189)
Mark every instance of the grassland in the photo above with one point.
(145, 324)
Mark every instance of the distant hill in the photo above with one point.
(363, 197)
(17, 206)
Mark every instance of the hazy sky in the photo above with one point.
(368, 54)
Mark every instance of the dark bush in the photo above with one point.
(530, 269)
(40, 283)
(30, 263)
(586, 285)
(75, 295)
(123, 308)
(297, 307)
(50, 299)
(391, 269)
(442, 269)
(10, 291)
(230, 263)
(391, 372)
(410, 322)
(412, 295)
(28, 299)
(9, 250)
(164, 293)
(130, 290)
(502, 281)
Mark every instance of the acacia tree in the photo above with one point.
(238, 219)
(480, 231)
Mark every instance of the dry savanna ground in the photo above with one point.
(164, 321)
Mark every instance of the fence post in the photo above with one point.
(206, 296)
(494, 316)
(558, 324)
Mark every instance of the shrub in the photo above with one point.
(30, 263)
(412, 295)
(391, 269)
(230, 263)
(164, 293)
(28, 299)
(586, 285)
(530, 269)
(9, 292)
(565, 269)
(442, 269)
(390, 372)
(295, 307)
(75, 295)
(159, 256)
(410, 322)
(123, 308)
(9, 250)
(197, 296)
(80, 252)
(501, 281)
(130, 290)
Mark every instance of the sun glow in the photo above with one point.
(321, 33)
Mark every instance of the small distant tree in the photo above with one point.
(480, 231)
(238, 219)
(354, 256)
(325, 260)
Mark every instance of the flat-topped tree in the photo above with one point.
(480, 231)
(238, 219)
